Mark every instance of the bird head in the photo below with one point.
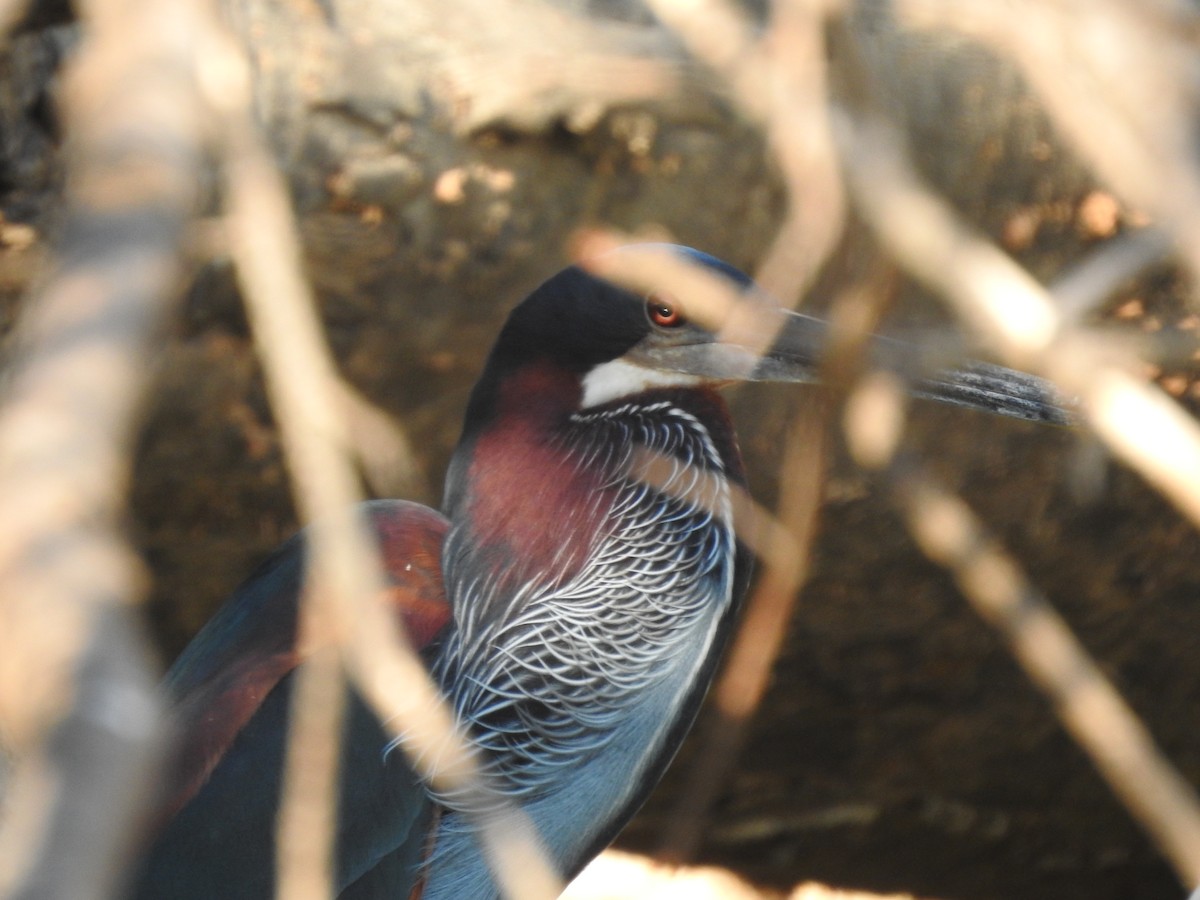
(614, 342)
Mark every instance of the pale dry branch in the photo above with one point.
(747, 318)
(1118, 77)
(784, 543)
(778, 80)
(1015, 316)
(800, 135)
(1086, 286)
(1087, 703)
(383, 447)
(299, 376)
(342, 605)
(1133, 131)
(77, 702)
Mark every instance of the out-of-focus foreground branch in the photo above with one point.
(1088, 704)
(85, 347)
(1118, 78)
(1018, 318)
(752, 655)
(65, 580)
(77, 702)
(343, 606)
(1091, 709)
(1137, 138)
(778, 80)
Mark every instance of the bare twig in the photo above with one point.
(1083, 288)
(1016, 316)
(784, 545)
(764, 627)
(1085, 700)
(781, 543)
(801, 139)
(1117, 80)
(383, 448)
(347, 577)
(268, 260)
(77, 702)
(779, 82)
(746, 318)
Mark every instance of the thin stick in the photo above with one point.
(347, 578)
(1016, 316)
(1117, 79)
(779, 81)
(1140, 424)
(1085, 700)
(786, 549)
(78, 705)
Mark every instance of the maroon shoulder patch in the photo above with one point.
(256, 649)
(410, 541)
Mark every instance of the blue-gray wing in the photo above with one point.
(222, 843)
(214, 834)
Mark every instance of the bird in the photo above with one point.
(571, 610)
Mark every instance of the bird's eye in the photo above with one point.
(663, 311)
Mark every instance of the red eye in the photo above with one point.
(663, 312)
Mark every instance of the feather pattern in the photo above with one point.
(545, 674)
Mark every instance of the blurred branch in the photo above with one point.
(779, 81)
(1017, 317)
(1087, 703)
(278, 304)
(745, 317)
(67, 649)
(383, 448)
(77, 701)
(784, 545)
(1083, 288)
(342, 605)
(785, 549)
(800, 136)
(1119, 80)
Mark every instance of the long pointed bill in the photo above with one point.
(796, 352)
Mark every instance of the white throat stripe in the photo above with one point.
(617, 379)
